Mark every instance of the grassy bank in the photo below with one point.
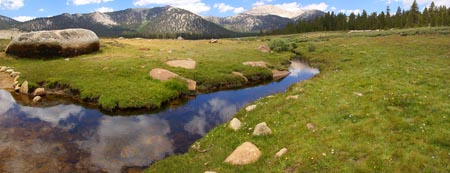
(380, 104)
(117, 76)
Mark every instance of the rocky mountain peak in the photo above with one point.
(265, 10)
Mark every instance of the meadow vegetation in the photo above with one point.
(117, 76)
(380, 104)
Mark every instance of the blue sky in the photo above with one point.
(28, 9)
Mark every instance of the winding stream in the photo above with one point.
(71, 138)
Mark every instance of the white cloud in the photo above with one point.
(261, 2)
(408, 3)
(41, 10)
(104, 9)
(223, 8)
(24, 18)
(321, 6)
(195, 6)
(239, 10)
(85, 2)
(293, 6)
(11, 4)
(355, 11)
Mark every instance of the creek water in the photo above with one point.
(72, 138)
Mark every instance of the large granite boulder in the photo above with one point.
(68, 42)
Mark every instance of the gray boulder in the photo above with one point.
(262, 129)
(68, 42)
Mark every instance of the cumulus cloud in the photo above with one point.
(11, 4)
(104, 9)
(85, 2)
(195, 6)
(24, 18)
(407, 3)
(41, 10)
(321, 6)
(293, 6)
(261, 2)
(223, 8)
(355, 11)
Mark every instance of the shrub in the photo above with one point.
(279, 45)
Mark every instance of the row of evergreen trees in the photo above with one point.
(430, 16)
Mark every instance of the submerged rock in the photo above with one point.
(68, 42)
(37, 99)
(39, 92)
(244, 154)
(262, 129)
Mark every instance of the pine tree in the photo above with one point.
(414, 14)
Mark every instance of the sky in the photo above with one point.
(23, 10)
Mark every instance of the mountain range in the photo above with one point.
(167, 22)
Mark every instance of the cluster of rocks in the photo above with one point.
(22, 88)
(248, 152)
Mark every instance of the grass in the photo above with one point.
(401, 123)
(117, 76)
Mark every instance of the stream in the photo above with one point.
(72, 138)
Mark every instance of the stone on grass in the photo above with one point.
(240, 75)
(281, 153)
(164, 75)
(210, 172)
(244, 154)
(2, 69)
(24, 88)
(358, 94)
(68, 42)
(235, 124)
(250, 108)
(256, 64)
(37, 99)
(14, 74)
(262, 129)
(264, 49)
(294, 97)
(17, 87)
(39, 92)
(16, 78)
(9, 71)
(311, 127)
(184, 63)
(277, 75)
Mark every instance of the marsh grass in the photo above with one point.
(380, 104)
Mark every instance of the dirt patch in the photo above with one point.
(6, 82)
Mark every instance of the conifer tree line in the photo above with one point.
(430, 16)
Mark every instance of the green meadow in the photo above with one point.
(380, 104)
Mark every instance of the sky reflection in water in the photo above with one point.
(109, 143)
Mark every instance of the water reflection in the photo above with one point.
(70, 138)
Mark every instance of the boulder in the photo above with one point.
(256, 64)
(37, 99)
(264, 49)
(164, 75)
(213, 41)
(240, 75)
(235, 124)
(280, 153)
(39, 92)
(244, 154)
(277, 75)
(17, 88)
(250, 108)
(184, 63)
(14, 74)
(293, 97)
(311, 127)
(68, 42)
(9, 71)
(262, 129)
(24, 88)
(3, 69)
